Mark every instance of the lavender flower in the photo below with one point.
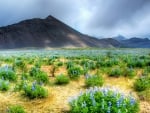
(132, 101)
(108, 110)
(118, 104)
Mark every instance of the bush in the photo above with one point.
(62, 79)
(20, 64)
(70, 64)
(39, 75)
(103, 100)
(35, 91)
(142, 83)
(16, 109)
(115, 72)
(60, 63)
(34, 71)
(144, 95)
(4, 85)
(7, 73)
(74, 72)
(42, 77)
(94, 80)
(129, 72)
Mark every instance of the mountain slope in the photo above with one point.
(48, 32)
(136, 42)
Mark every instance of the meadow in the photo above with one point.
(75, 81)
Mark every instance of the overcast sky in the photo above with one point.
(100, 18)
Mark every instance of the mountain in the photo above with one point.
(48, 32)
(119, 38)
(136, 42)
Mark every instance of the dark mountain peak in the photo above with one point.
(48, 32)
(50, 17)
(119, 38)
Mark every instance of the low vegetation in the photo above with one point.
(47, 79)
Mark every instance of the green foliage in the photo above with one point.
(7, 73)
(103, 100)
(62, 79)
(129, 72)
(39, 75)
(70, 64)
(94, 80)
(134, 62)
(16, 109)
(74, 72)
(142, 83)
(60, 63)
(42, 77)
(115, 72)
(34, 71)
(144, 95)
(35, 91)
(20, 64)
(4, 85)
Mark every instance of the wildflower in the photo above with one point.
(83, 104)
(132, 101)
(33, 88)
(118, 104)
(109, 104)
(108, 110)
(103, 103)
(92, 99)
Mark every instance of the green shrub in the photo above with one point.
(16, 109)
(62, 79)
(142, 83)
(4, 85)
(115, 72)
(42, 77)
(34, 71)
(60, 64)
(144, 95)
(38, 64)
(94, 80)
(103, 100)
(35, 91)
(7, 73)
(70, 64)
(20, 64)
(25, 76)
(129, 72)
(136, 63)
(74, 72)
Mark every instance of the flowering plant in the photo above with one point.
(103, 100)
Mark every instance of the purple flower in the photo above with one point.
(132, 101)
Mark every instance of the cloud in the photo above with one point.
(99, 17)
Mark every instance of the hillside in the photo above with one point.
(48, 32)
(136, 42)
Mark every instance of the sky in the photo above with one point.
(99, 18)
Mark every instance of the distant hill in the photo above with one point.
(119, 38)
(48, 32)
(136, 42)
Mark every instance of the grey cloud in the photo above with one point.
(98, 17)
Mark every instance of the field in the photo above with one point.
(49, 81)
